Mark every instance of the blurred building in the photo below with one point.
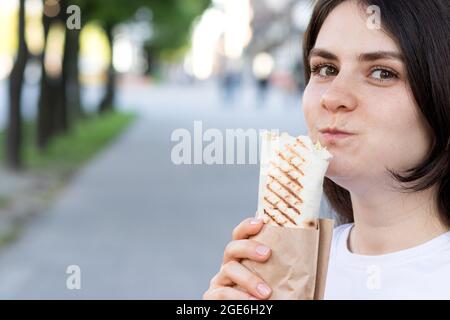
(263, 37)
(278, 27)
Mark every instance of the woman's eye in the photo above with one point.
(383, 75)
(328, 70)
(324, 70)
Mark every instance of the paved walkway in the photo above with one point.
(138, 226)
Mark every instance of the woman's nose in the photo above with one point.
(339, 95)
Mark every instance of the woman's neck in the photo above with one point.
(388, 221)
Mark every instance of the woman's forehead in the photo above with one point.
(345, 32)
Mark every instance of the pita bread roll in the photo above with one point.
(292, 170)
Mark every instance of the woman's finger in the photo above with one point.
(236, 273)
(227, 293)
(247, 228)
(246, 249)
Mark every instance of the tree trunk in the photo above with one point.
(59, 84)
(44, 123)
(14, 129)
(52, 112)
(108, 99)
(59, 107)
(150, 60)
(71, 75)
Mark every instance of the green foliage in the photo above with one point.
(9, 235)
(68, 152)
(109, 12)
(171, 21)
(4, 202)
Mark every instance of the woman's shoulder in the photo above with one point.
(340, 229)
(340, 233)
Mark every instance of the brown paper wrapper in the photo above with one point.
(297, 268)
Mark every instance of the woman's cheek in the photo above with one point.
(407, 150)
(403, 141)
(310, 110)
(387, 148)
(308, 119)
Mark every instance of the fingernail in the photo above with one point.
(262, 251)
(255, 221)
(263, 289)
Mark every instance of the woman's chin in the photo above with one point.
(331, 171)
(339, 169)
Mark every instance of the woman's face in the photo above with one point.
(358, 85)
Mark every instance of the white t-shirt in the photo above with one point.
(422, 272)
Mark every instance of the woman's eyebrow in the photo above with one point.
(322, 53)
(377, 55)
(367, 56)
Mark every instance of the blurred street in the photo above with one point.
(152, 229)
(98, 103)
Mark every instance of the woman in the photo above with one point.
(387, 90)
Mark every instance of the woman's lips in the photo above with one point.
(334, 136)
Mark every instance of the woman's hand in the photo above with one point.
(232, 272)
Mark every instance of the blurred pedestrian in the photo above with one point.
(262, 69)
